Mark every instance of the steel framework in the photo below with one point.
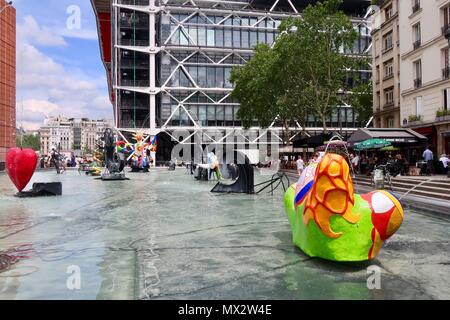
(178, 96)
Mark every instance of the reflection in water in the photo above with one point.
(163, 235)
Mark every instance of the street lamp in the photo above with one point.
(8, 4)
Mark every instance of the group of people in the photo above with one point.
(61, 162)
(396, 163)
(428, 159)
(54, 159)
(364, 164)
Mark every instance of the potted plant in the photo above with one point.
(442, 115)
(414, 119)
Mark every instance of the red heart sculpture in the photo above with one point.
(20, 164)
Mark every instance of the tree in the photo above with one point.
(361, 99)
(267, 90)
(255, 89)
(28, 141)
(302, 74)
(321, 34)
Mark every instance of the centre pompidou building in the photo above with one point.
(169, 61)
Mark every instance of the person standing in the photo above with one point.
(55, 159)
(428, 158)
(445, 162)
(355, 163)
(300, 165)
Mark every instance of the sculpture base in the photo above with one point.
(114, 176)
(42, 190)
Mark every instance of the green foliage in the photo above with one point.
(255, 87)
(86, 150)
(302, 74)
(361, 99)
(442, 113)
(28, 141)
(413, 118)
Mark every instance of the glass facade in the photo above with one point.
(196, 48)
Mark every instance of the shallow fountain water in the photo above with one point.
(163, 235)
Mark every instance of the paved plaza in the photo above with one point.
(163, 235)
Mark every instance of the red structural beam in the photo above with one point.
(103, 15)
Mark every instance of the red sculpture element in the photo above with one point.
(20, 164)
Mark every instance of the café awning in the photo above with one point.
(312, 141)
(398, 137)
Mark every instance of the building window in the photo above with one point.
(445, 64)
(388, 12)
(390, 123)
(417, 35)
(387, 41)
(415, 5)
(417, 69)
(446, 15)
(446, 93)
(418, 106)
(389, 97)
(378, 100)
(389, 69)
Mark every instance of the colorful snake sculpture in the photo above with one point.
(330, 221)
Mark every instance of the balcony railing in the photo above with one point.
(416, 7)
(444, 29)
(134, 43)
(129, 23)
(446, 73)
(132, 64)
(134, 2)
(388, 76)
(135, 124)
(417, 83)
(388, 104)
(130, 106)
(387, 49)
(417, 44)
(134, 83)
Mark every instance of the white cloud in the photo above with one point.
(33, 111)
(45, 87)
(28, 30)
(85, 34)
(39, 106)
(29, 125)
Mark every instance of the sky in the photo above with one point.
(59, 69)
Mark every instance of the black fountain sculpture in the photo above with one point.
(114, 165)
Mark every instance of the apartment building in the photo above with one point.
(386, 66)
(425, 70)
(72, 135)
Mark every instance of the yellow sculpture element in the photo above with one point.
(332, 194)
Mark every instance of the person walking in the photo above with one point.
(428, 158)
(300, 165)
